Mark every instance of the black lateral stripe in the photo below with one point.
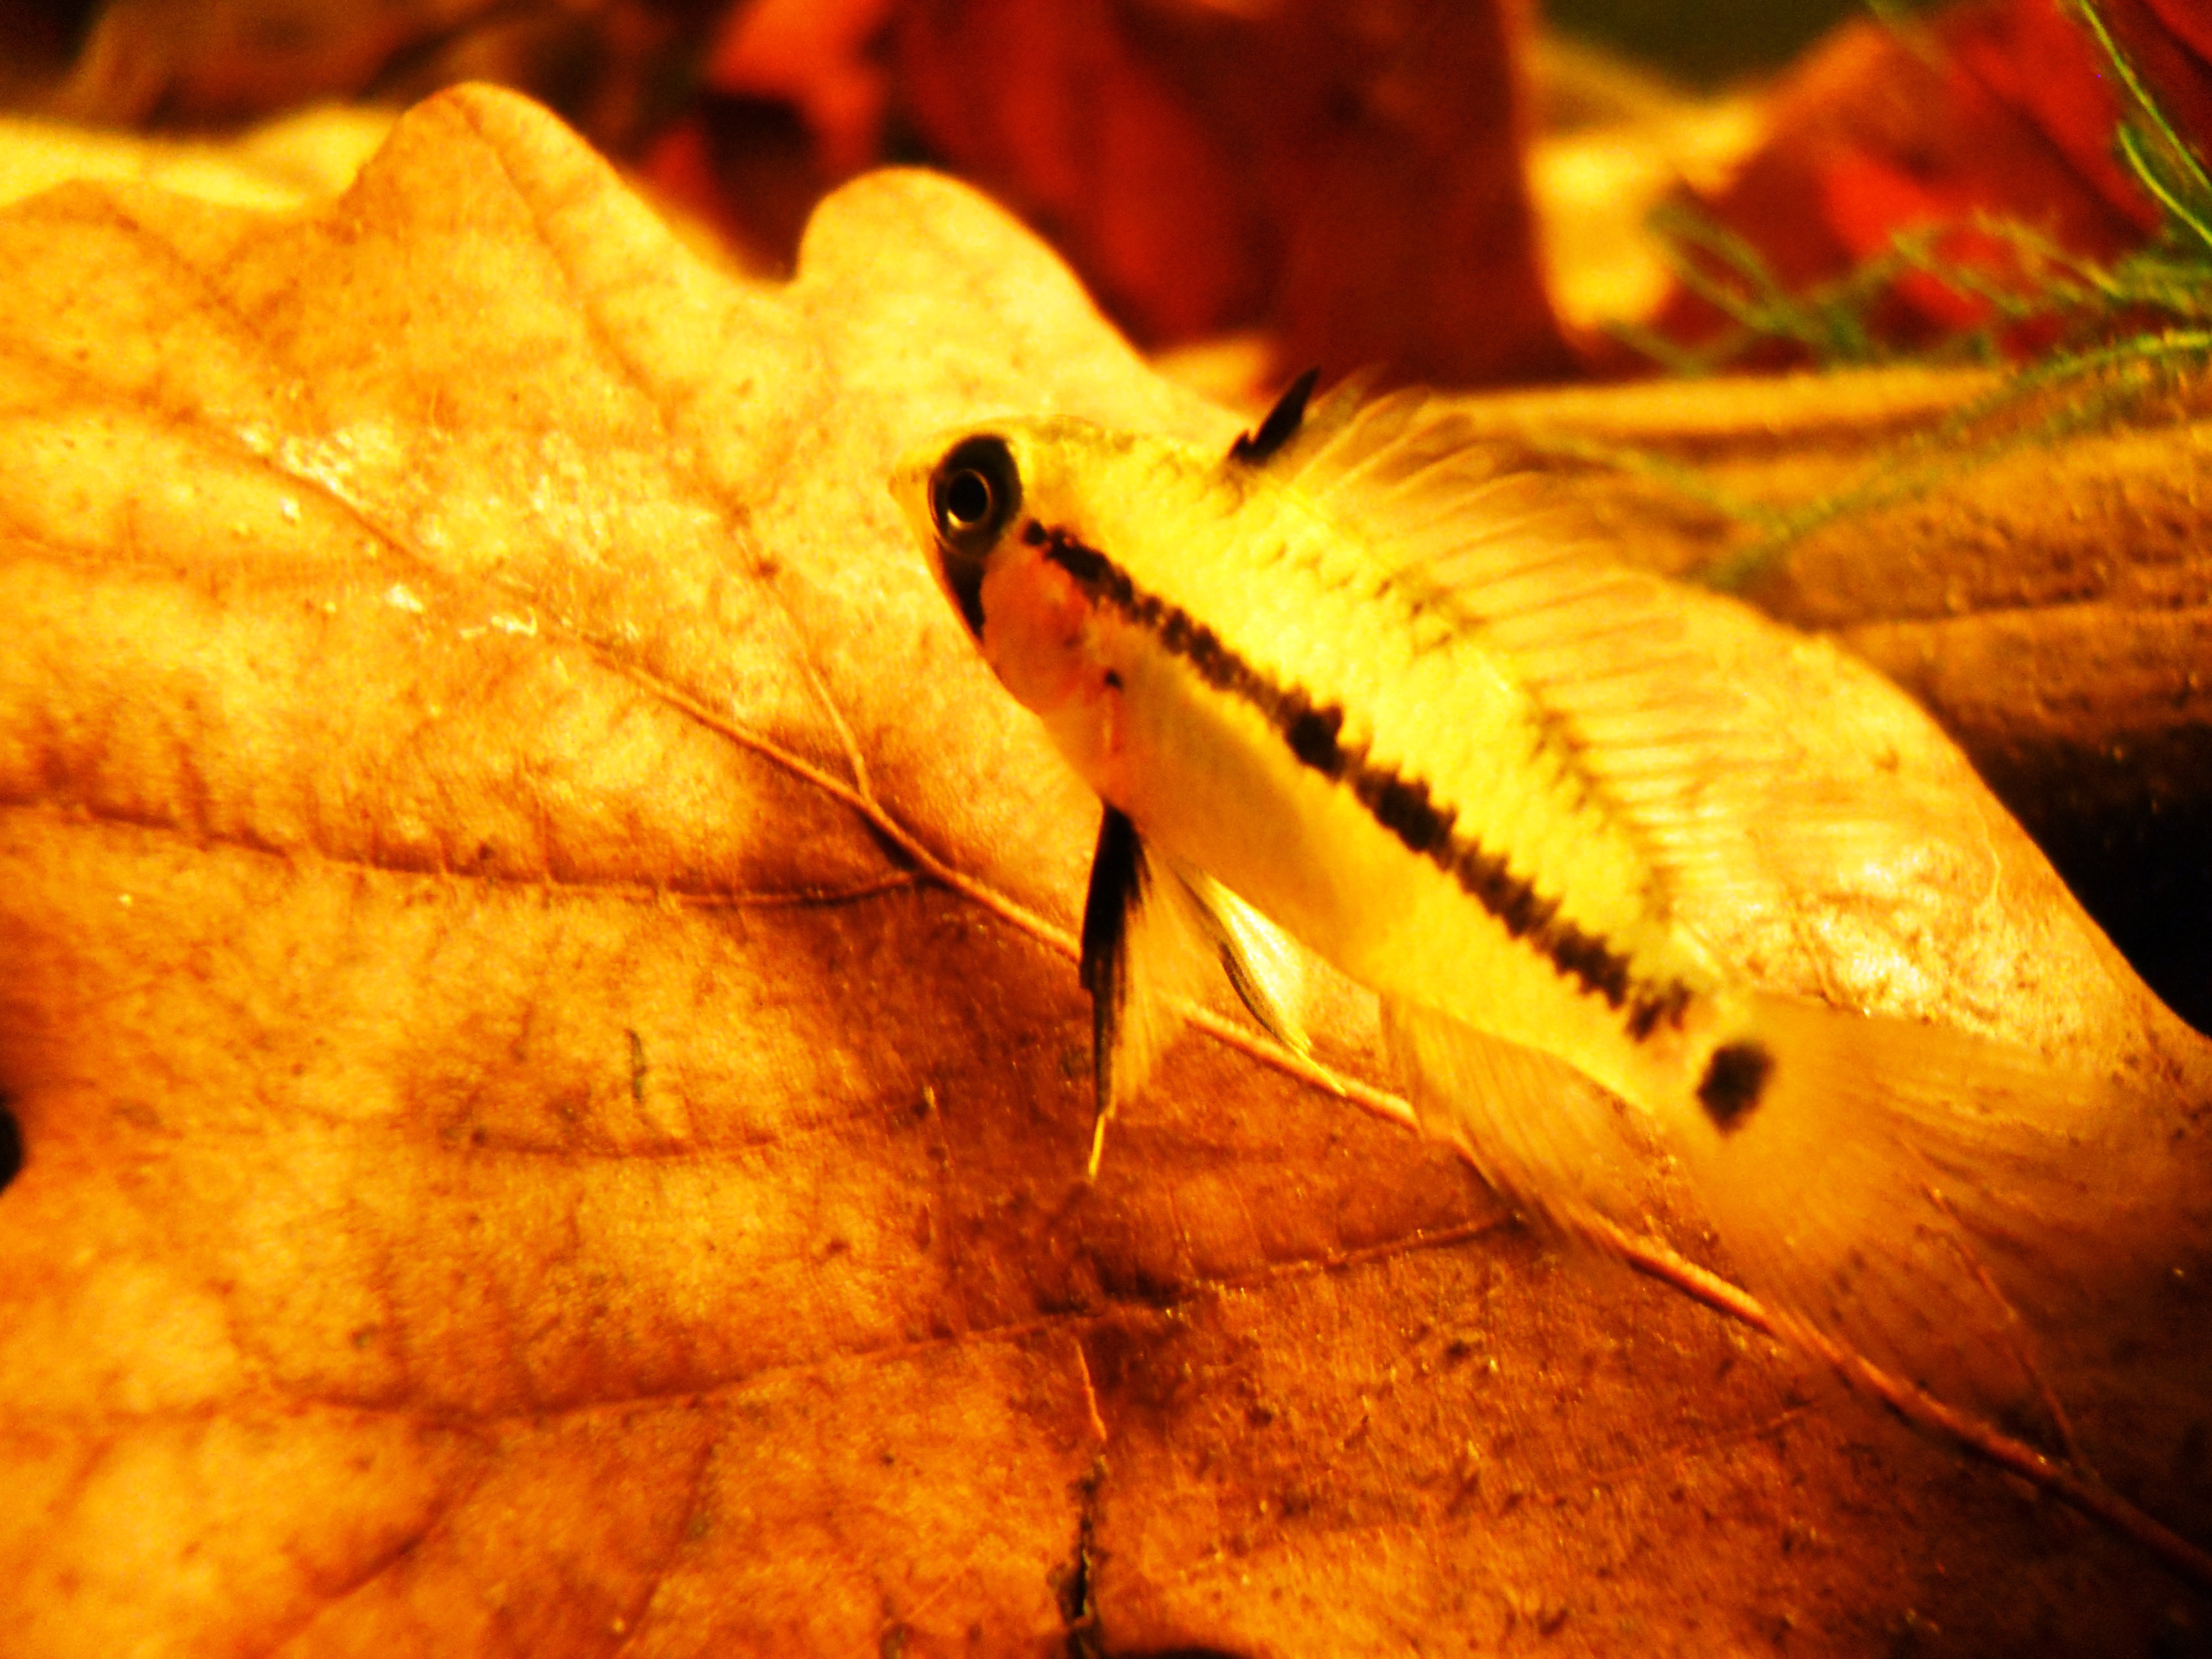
(1401, 805)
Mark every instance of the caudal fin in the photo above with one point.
(1960, 1213)
(1938, 1203)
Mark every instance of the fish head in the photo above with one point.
(985, 505)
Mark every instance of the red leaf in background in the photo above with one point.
(1346, 180)
(1349, 180)
(1866, 200)
(2033, 60)
(2169, 42)
(814, 55)
(2001, 108)
(608, 67)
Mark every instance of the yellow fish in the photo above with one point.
(1339, 684)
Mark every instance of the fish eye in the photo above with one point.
(967, 497)
(975, 493)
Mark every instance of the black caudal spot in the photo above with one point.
(1735, 1077)
(11, 1145)
(1253, 448)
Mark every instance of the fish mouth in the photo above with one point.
(909, 486)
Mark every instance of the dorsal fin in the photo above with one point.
(1256, 448)
(1597, 645)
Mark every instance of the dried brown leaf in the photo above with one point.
(534, 975)
(281, 165)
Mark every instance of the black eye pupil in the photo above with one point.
(967, 499)
(975, 493)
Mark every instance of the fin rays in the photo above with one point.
(1539, 1132)
(1595, 644)
(1150, 930)
(1911, 1192)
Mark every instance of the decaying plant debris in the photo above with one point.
(534, 992)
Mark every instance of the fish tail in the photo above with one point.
(1929, 1199)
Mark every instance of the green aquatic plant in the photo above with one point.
(2078, 342)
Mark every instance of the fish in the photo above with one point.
(1349, 690)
